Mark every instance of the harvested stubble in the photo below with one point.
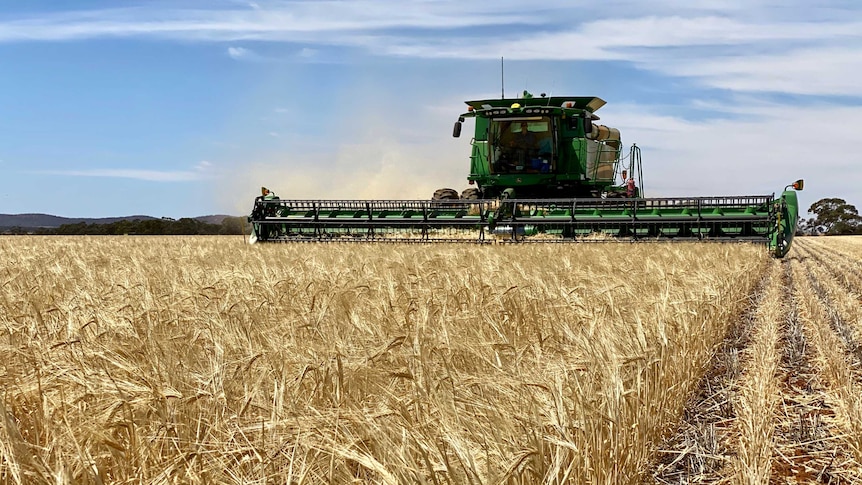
(843, 255)
(756, 394)
(823, 413)
(793, 413)
(726, 435)
(849, 246)
(204, 360)
(836, 325)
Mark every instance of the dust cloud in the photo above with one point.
(381, 160)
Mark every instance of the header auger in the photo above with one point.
(541, 170)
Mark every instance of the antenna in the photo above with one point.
(553, 90)
(502, 85)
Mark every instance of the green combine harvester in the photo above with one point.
(541, 170)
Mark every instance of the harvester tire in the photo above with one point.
(470, 194)
(442, 195)
(445, 194)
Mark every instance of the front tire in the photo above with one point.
(471, 194)
(445, 194)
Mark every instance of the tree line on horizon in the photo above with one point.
(145, 227)
(832, 217)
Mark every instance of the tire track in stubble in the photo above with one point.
(800, 454)
(815, 431)
(843, 266)
(699, 451)
(839, 327)
(810, 436)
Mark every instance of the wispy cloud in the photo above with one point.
(246, 54)
(759, 153)
(796, 57)
(198, 173)
(663, 23)
(283, 21)
(830, 70)
(728, 44)
(239, 53)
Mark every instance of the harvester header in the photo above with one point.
(541, 170)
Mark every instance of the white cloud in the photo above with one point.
(826, 71)
(729, 44)
(623, 39)
(284, 21)
(148, 175)
(797, 57)
(239, 53)
(201, 170)
(318, 20)
(274, 134)
(348, 22)
(756, 154)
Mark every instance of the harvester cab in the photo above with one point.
(541, 169)
(547, 147)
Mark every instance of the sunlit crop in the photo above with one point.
(176, 360)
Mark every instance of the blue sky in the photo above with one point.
(184, 108)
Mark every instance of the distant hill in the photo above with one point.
(49, 221)
(212, 219)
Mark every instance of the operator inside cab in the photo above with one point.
(523, 146)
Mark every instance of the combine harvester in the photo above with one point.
(541, 170)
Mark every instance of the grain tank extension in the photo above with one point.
(541, 170)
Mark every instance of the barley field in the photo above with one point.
(205, 360)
